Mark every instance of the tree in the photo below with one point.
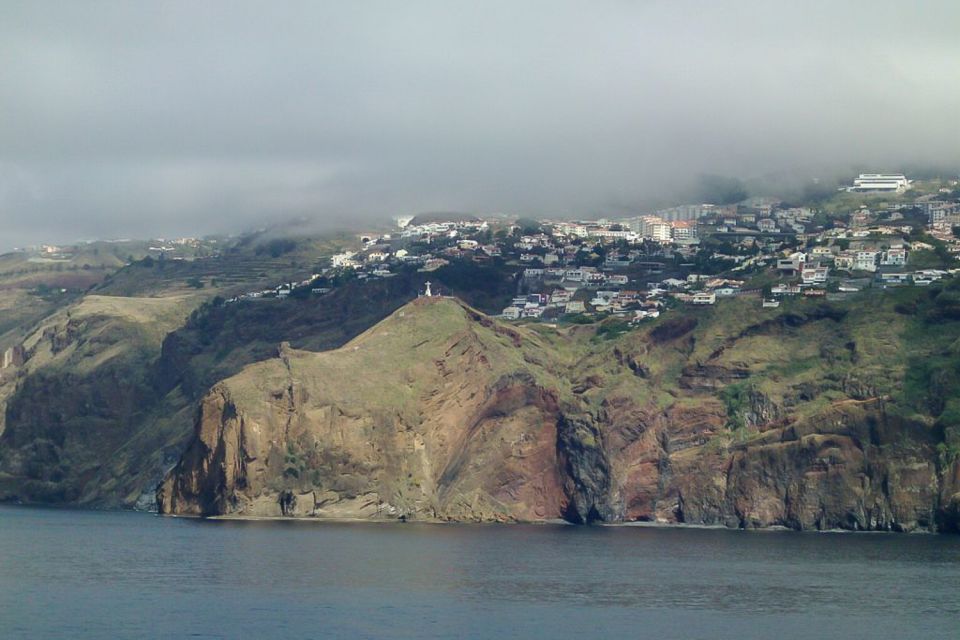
(529, 226)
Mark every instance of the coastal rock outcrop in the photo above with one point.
(430, 414)
(442, 413)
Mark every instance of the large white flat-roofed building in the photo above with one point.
(880, 182)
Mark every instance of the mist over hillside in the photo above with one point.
(135, 120)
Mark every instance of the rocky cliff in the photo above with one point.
(801, 417)
(103, 405)
(434, 413)
(80, 406)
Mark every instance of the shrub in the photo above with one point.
(736, 400)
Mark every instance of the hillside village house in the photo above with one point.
(893, 277)
(792, 263)
(683, 231)
(767, 225)
(812, 274)
(928, 276)
(844, 260)
(865, 261)
(785, 289)
(894, 257)
(345, 259)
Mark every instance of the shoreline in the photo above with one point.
(434, 521)
(556, 522)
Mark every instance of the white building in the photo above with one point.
(657, 229)
(344, 259)
(682, 231)
(627, 235)
(793, 262)
(814, 274)
(785, 289)
(880, 182)
(865, 261)
(767, 225)
(686, 212)
(512, 312)
(570, 229)
(894, 256)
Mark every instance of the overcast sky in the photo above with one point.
(128, 118)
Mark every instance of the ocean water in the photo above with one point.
(80, 574)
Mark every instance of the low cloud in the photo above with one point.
(126, 119)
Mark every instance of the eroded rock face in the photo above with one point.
(948, 517)
(586, 470)
(457, 436)
(441, 413)
(217, 461)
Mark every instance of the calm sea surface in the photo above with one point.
(76, 574)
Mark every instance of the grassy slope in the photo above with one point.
(247, 265)
(87, 265)
(85, 387)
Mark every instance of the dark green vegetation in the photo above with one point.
(931, 385)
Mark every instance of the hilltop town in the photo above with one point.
(884, 230)
(889, 231)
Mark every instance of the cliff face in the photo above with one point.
(104, 404)
(441, 413)
(433, 413)
(808, 416)
(80, 403)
